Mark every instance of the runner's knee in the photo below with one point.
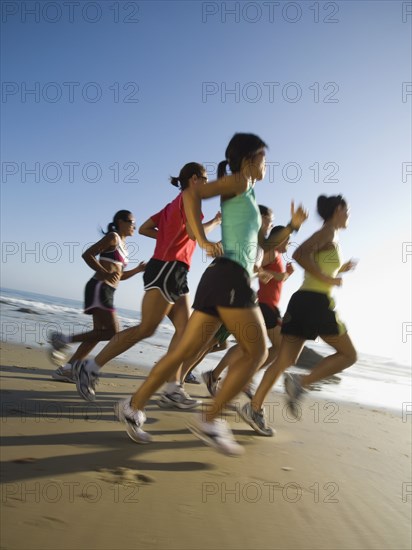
(146, 331)
(257, 356)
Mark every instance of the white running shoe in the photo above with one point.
(86, 381)
(217, 434)
(57, 357)
(178, 399)
(133, 421)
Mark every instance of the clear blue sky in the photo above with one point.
(125, 93)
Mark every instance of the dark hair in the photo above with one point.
(264, 210)
(276, 229)
(241, 146)
(190, 169)
(120, 215)
(327, 205)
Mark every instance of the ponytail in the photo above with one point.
(241, 146)
(221, 168)
(190, 169)
(174, 181)
(112, 226)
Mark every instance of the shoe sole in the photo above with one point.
(128, 425)
(253, 425)
(87, 396)
(164, 405)
(210, 442)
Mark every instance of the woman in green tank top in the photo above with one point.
(224, 294)
(311, 313)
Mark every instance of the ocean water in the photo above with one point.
(28, 318)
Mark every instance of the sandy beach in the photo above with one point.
(339, 478)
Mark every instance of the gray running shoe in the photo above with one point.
(133, 421)
(63, 375)
(57, 341)
(191, 379)
(179, 399)
(211, 384)
(217, 434)
(294, 390)
(85, 381)
(256, 419)
(58, 349)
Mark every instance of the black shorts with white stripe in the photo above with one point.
(168, 277)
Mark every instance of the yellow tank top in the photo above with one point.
(329, 263)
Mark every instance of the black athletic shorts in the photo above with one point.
(168, 277)
(311, 314)
(225, 283)
(271, 315)
(98, 295)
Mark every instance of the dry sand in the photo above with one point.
(340, 478)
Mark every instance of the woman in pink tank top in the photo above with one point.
(99, 294)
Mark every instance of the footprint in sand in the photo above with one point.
(124, 476)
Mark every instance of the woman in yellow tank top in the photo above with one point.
(311, 313)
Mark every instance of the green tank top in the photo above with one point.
(329, 263)
(241, 221)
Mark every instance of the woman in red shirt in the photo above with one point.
(166, 290)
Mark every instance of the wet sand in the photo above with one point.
(339, 478)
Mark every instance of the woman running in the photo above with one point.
(269, 297)
(220, 338)
(166, 290)
(310, 313)
(224, 294)
(99, 293)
